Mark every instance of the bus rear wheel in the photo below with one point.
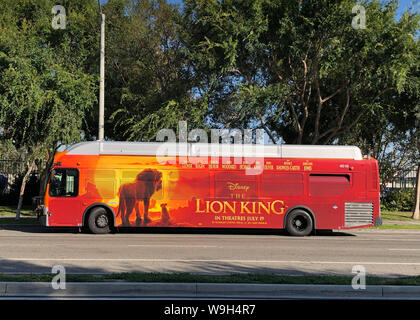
(99, 221)
(299, 223)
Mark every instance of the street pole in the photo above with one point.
(102, 80)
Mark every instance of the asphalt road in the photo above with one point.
(381, 252)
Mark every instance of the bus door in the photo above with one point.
(64, 204)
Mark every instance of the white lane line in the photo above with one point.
(219, 261)
(171, 246)
(180, 237)
(398, 249)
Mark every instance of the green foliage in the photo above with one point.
(46, 89)
(45, 92)
(296, 68)
(149, 82)
(299, 66)
(398, 200)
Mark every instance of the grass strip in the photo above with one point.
(22, 220)
(8, 211)
(398, 226)
(397, 215)
(194, 278)
(8, 214)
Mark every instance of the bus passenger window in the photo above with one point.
(64, 183)
(327, 185)
(188, 184)
(102, 183)
(280, 184)
(234, 186)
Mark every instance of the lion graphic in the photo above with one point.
(144, 186)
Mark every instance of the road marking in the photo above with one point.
(219, 261)
(139, 237)
(171, 246)
(397, 249)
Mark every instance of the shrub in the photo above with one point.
(31, 190)
(398, 200)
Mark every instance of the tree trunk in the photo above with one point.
(416, 210)
(45, 173)
(22, 188)
(42, 181)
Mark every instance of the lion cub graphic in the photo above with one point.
(165, 219)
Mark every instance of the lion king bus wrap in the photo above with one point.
(106, 185)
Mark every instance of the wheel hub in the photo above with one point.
(102, 221)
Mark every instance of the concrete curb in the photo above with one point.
(204, 290)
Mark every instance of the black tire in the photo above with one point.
(299, 223)
(99, 221)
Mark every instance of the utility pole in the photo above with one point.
(102, 77)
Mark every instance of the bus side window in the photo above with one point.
(235, 185)
(188, 184)
(105, 182)
(129, 181)
(324, 185)
(282, 184)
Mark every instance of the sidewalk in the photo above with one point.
(204, 291)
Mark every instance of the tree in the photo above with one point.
(44, 89)
(148, 75)
(299, 69)
(416, 209)
(415, 132)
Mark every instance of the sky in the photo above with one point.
(403, 3)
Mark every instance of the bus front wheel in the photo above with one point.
(299, 223)
(99, 221)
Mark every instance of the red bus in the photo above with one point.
(104, 185)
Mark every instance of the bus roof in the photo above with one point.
(216, 150)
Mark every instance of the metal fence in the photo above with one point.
(9, 171)
(404, 180)
(8, 166)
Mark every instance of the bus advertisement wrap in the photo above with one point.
(140, 191)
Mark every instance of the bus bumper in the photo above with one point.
(43, 217)
(43, 220)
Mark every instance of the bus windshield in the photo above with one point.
(64, 182)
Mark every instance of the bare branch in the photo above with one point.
(295, 116)
(264, 126)
(382, 92)
(318, 110)
(335, 93)
(335, 130)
